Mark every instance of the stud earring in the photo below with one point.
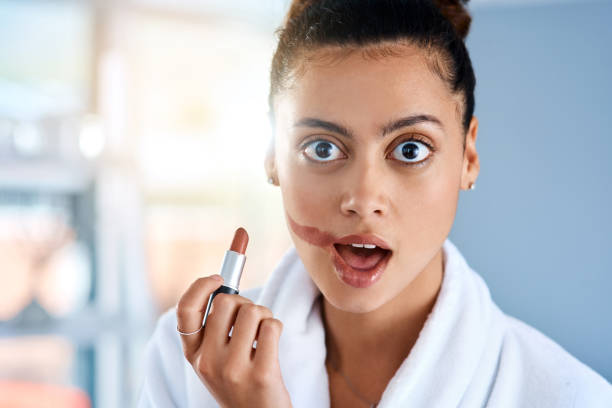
(472, 186)
(270, 180)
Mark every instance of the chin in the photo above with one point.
(349, 299)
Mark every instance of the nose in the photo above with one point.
(363, 191)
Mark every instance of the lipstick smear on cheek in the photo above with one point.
(312, 235)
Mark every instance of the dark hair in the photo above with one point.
(439, 26)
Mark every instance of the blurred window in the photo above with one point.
(46, 242)
(197, 110)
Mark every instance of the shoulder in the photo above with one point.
(531, 369)
(547, 372)
(164, 373)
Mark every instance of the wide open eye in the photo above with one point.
(411, 151)
(322, 150)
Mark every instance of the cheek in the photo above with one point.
(306, 198)
(309, 202)
(428, 207)
(440, 200)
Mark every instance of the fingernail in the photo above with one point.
(217, 277)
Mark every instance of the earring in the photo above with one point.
(472, 186)
(270, 180)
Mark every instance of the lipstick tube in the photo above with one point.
(231, 269)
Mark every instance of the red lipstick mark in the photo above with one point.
(312, 235)
(241, 239)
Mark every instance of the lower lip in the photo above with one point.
(358, 278)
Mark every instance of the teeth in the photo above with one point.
(368, 246)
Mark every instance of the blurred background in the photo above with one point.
(132, 136)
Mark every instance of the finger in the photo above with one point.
(245, 328)
(190, 311)
(221, 319)
(266, 354)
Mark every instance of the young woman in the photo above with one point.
(374, 137)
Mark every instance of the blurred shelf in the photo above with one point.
(45, 176)
(84, 328)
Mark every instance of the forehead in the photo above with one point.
(368, 84)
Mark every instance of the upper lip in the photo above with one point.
(363, 239)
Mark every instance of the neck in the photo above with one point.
(381, 339)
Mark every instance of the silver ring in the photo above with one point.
(188, 333)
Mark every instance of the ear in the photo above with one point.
(270, 163)
(471, 163)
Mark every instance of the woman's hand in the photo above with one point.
(235, 373)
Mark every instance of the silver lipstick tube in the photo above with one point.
(231, 271)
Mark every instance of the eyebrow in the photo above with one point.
(385, 130)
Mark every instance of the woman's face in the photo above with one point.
(370, 146)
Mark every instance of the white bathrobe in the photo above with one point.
(468, 354)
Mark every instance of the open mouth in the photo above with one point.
(361, 257)
(360, 265)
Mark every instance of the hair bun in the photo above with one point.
(456, 13)
(296, 8)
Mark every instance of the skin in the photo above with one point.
(370, 331)
(365, 189)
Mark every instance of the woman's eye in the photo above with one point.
(411, 151)
(322, 150)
